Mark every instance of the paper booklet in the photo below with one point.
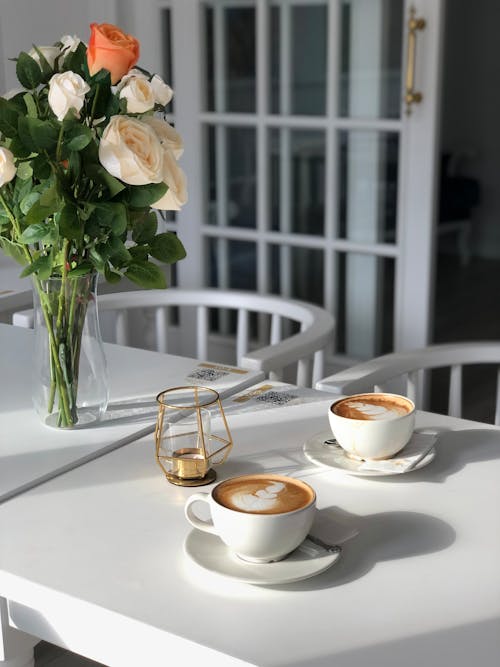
(272, 394)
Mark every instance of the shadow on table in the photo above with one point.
(129, 412)
(374, 538)
(454, 451)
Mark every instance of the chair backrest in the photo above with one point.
(374, 375)
(305, 349)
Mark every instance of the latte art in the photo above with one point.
(372, 407)
(263, 494)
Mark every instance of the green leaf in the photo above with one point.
(147, 275)
(167, 248)
(42, 266)
(112, 276)
(77, 137)
(97, 260)
(75, 60)
(70, 225)
(49, 198)
(41, 231)
(24, 171)
(21, 189)
(9, 116)
(28, 71)
(37, 213)
(81, 270)
(140, 253)
(19, 149)
(100, 175)
(112, 215)
(43, 133)
(41, 168)
(14, 250)
(75, 164)
(140, 196)
(28, 201)
(144, 227)
(118, 250)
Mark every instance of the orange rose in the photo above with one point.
(112, 49)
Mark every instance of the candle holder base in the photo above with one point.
(210, 477)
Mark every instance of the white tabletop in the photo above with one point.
(30, 451)
(93, 560)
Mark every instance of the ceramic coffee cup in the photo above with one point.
(373, 425)
(261, 517)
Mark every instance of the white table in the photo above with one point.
(31, 452)
(93, 560)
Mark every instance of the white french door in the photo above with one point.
(306, 176)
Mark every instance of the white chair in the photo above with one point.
(376, 374)
(304, 349)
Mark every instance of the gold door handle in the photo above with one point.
(411, 95)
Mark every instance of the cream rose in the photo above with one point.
(67, 91)
(139, 95)
(50, 53)
(174, 177)
(131, 151)
(162, 91)
(7, 166)
(168, 137)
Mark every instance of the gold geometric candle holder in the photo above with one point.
(186, 448)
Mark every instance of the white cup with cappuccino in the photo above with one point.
(372, 426)
(261, 517)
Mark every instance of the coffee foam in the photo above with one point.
(263, 494)
(372, 407)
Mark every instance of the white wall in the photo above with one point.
(471, 108)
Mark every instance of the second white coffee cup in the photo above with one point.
(261, 517)
(372, 425)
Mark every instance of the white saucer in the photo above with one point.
(333, 456)
(211, 554)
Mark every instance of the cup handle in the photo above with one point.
(195, 521)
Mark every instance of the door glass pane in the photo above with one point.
(297, 272)
(297, 180)
(231, 264)
(230, 58)
(231, 176)
(298, 58)
(167, 53)
(368, 186)
(365, 311)
(371, 52)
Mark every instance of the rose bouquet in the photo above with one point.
(87, 160)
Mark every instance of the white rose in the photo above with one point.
(168, 137)
(131, 151)
(69, 44)
(7, 166)
(67, 91)
(133, 73)
(139, 95)
(174, 177)
(50, 53)
(162, 92)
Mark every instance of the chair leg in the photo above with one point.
(16, 647)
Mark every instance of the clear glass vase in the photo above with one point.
(70, 383)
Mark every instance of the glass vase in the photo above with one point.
(70, 384)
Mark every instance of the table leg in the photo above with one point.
(16, 647)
